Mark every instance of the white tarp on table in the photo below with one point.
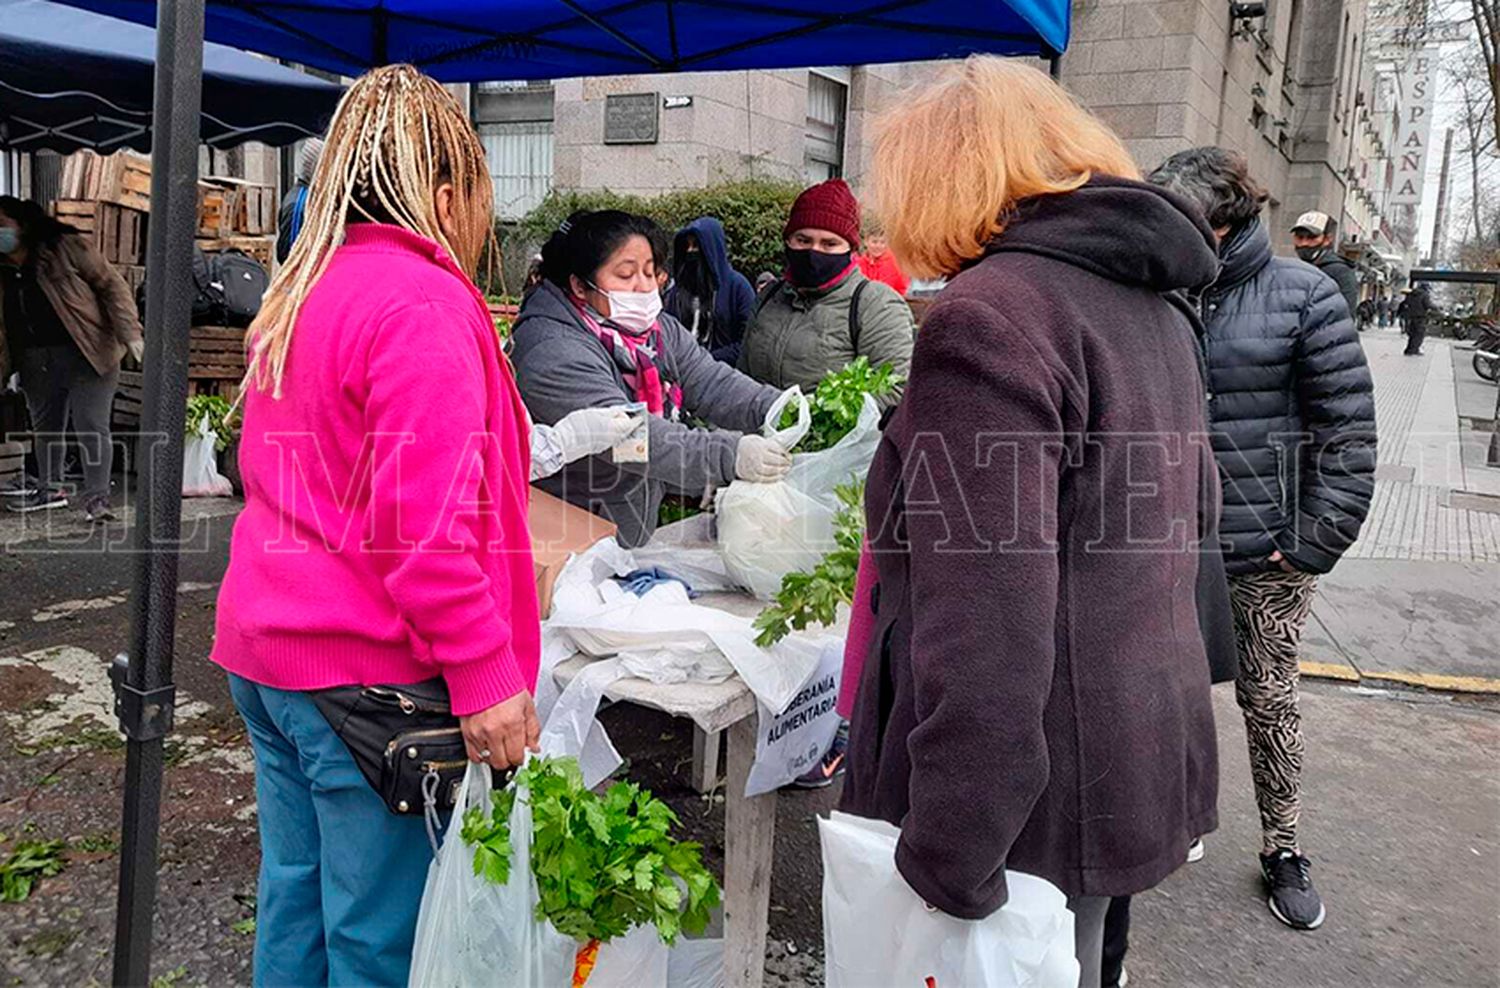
(666, 637)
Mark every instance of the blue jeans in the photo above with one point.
(341, 877)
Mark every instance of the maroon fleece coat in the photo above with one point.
(1036, 696)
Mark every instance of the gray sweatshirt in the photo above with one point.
(561, 366)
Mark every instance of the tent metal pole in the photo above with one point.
(1054, 65)
(142, 677)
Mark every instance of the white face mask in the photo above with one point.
(633, 311)
(10, 239)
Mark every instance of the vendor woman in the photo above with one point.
(593, 335)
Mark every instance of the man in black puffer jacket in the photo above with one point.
(1293, 419)
(1314, 238)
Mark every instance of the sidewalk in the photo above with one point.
(1415, 600)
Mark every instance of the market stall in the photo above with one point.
(73, 80)
(463, 40)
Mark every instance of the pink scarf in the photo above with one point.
(636, 357)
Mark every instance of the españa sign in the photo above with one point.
(1414, 128)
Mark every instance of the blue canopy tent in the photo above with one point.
(72, 79)
(464, 40)
(453, 40)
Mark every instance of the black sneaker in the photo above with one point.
(1293, 900)
(20, 487)
(37, 501)
(821, 775)
(96, 509)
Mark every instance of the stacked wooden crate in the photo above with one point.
(125, 416)
(216, 353)
(237, 215)
(12, 462)
(123, 178)
(108, 199)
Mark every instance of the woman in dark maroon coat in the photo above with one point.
(1036, 696)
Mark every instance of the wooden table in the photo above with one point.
(749, 824)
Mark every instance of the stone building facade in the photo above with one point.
(692, 129)
(1287, 82)
(1284, 82)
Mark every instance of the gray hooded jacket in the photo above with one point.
(561, 367)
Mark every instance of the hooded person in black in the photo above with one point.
(710, 298)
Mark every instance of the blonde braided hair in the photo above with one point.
(396, 137)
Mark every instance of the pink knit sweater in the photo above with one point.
(384, 536)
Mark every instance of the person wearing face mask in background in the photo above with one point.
(66, 319)
(1314, 238)
(593, 335)
(709, 297)
(825, 312)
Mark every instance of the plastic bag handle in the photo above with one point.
(793, 434)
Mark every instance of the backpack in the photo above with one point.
(241, 283)
(854, 327)
(227, 289)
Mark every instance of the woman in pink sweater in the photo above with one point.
(384, 542)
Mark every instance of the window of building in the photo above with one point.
(10, 174)
(1350, 84)
(1289, 57)
(827, 110)
(1339, 71)
(514, 121)
(520, 157)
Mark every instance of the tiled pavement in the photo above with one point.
(1415, 514)
(1414, 601)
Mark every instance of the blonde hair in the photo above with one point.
(953, 159)
(397, 135)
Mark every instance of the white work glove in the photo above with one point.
(592, 430)
(137, 350)
(761, 460)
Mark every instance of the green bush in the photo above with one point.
(753, 212)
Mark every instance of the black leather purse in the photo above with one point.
(405, 740)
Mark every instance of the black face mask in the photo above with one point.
(1310, 254)
(814, 269)
(694, 276)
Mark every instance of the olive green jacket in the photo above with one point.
(799, 338)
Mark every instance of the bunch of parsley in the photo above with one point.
(838, 400)
(603, 864)
(814, 597)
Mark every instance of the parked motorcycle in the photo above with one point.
(1487, 352)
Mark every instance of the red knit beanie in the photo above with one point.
(826, 206)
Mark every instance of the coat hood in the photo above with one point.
(548, 302)
(713, 244)
(1124, 230)
(1244, 252)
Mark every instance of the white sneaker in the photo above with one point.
(1195, 851)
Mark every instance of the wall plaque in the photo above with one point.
(631, 118)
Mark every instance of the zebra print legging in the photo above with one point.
(1269, 612)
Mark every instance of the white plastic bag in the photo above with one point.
(472, 932)
(571, 728)
(636, 960)
(769, 530)
(640, 960)
(696, 964)
(200, 465)
(1028, 942)
(690, 550)
(665, 628)
(791, 742)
